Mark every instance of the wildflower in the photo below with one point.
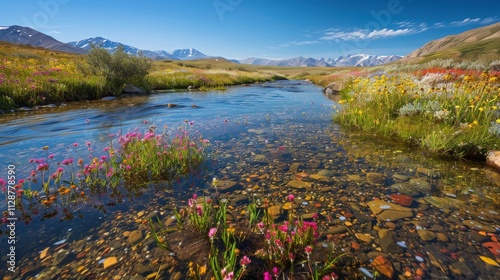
(67, 161)
(229, 276)
(308, 250)
(276, 272)
(87, 143)
(245, 261)
(199, 210)
(45, 148)
(211, 233)
(291, 257)
(498, 121)
(64, 190)
(261, 224)
(291, 197)
(51, 156)
(42, 167)
(331, 276)
(60, 170)
(267, 276)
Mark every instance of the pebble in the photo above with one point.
(110, 262)
(442, 237)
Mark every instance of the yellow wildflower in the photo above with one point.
(498, 120)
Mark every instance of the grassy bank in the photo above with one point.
(447, 111)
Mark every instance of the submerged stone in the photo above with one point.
(386, 211)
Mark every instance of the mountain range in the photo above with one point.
(349, 60)
(480, 43)
(111, 46)
(27, 36)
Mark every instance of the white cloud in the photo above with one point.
(361, 34)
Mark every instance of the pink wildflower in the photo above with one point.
(291, 197)
(245, 261)
(212, 232)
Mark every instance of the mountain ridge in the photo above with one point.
(27, 36)
(348, 60)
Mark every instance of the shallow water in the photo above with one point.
(259, 129)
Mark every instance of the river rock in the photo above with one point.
(493, 177)
(332, 88)
(43, 254)
(337, 229)
(475, 225)
(493, 159)
(389, 245)
(274, 211)
(319, 177)
(426, 235)
(297, 184)
(361, 217)
(375, 178)
(364, 237)
(131, 89)
(228, 186)
(401, 199)
(386, 211)
(326, 172)
(443, 203)
(296, 167)
(414, 187)
(134, 237)
(383, 266)
(110, 262)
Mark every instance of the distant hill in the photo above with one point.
(27, 36)
(480, 43)
(349, 60)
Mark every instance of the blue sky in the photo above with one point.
(256, 28)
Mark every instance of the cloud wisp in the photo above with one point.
(400, 29)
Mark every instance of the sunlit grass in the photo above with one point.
(450, 113)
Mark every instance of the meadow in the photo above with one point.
(32, 77)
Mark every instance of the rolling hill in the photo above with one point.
(480, 43)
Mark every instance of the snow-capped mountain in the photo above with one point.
(188, 54)
(27, 36)
(296, 61)
(361, 60)
(349, 60)
(111, 46)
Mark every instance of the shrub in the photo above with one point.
(119, 67)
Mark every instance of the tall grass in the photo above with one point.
(450, 112)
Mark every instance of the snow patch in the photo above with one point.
(3, 27)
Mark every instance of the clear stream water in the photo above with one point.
(283, 113)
